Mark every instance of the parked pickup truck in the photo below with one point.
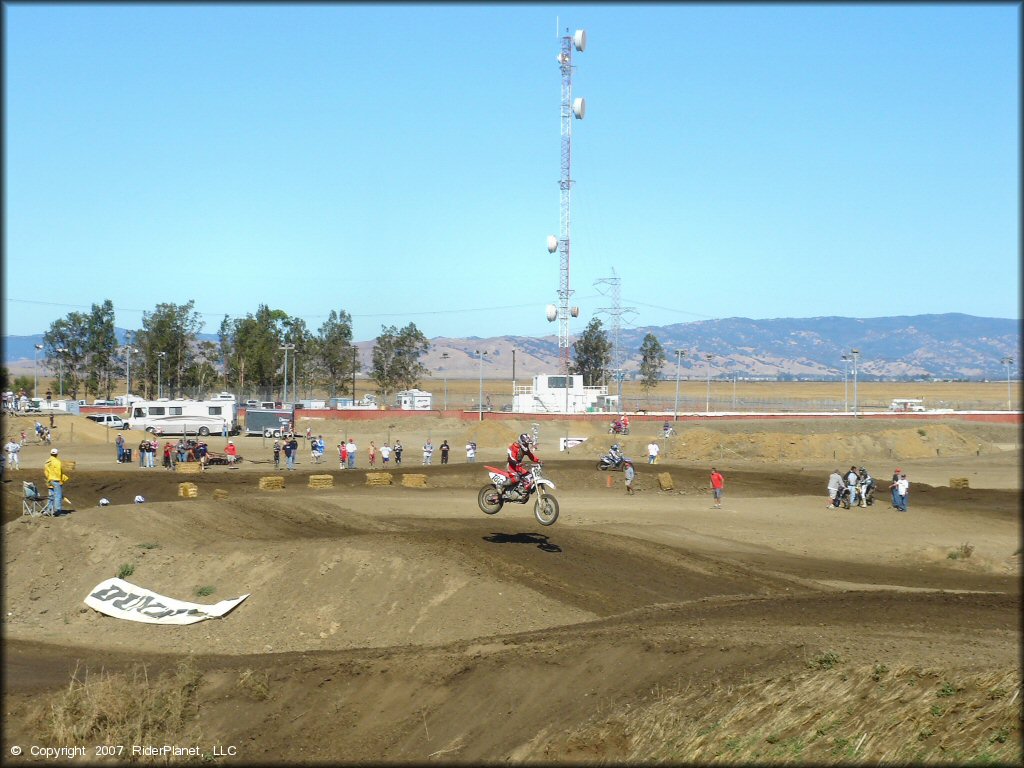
(108, 420)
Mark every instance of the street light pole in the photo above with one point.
(846, 383)
(444, 356)
(128, 375)
(480, 402)
(680, 353)
(1008, 361)
(707, 366)
(60, 367)
(854, 353)
(159, 380)
(35, 371)
(285, 347)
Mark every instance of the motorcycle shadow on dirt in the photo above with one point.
(542, 541)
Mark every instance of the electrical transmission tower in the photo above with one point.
(612, 288)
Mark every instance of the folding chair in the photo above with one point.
(33, 504)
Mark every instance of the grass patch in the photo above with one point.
(871, 715)
(148, 545)
(123, 708)
(205, 591)
(962, 552)
(255, 685)
(126, 570)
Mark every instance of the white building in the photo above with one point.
(413, 400)
(549, 394)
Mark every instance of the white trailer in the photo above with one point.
(184, 417)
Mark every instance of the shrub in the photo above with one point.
(126, 570)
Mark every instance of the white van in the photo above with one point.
(184, 417)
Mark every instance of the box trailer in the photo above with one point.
(269, 422)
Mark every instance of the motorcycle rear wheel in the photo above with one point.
(545, 509)
(490, 500)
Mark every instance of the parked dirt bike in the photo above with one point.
(610, 464)
(502, 489)
(618, 428)
(868, 500)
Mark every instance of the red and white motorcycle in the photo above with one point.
(504, 488)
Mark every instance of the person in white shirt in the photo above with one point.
(652, 451)
(385, 453)
(470, 452)
(13, 448)
(428, 452)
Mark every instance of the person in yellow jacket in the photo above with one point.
(53, 472)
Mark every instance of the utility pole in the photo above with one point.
(680, 353)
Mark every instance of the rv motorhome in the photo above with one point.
(183, 417)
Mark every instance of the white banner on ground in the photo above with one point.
(564, 443)
(122, 600)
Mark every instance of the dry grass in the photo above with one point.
(124, 708)
(827, 715)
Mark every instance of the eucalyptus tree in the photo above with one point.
(101, 349)
(65, 345)
(396, 354)
(251, 348)
(336, 351)
(592, 354)
(652, 360)
(170, 330)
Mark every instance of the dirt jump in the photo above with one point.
(389, 620)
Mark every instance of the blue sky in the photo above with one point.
(402, 162)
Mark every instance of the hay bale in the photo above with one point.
(272, 483)
(959, 482)
(665, 481)
(379, 478)
(321, 481)
(219, 494)
(68, 466)
(414, 481)
(188, 490)
(188, 467)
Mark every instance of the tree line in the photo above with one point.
(165, 355)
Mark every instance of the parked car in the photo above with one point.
(108, 420)
(103, 402)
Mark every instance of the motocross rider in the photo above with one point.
(865, 484)
(516, 452)
(615, 454)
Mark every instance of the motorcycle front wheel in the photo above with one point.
(602, 465)
(546, 509)
(489, 500)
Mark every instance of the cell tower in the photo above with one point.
(570, 108)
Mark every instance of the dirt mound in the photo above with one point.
(427, 630)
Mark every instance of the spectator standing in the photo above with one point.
(293, 452)
(224, 429)
(445, 448)
(232, 453)
(352, 450)
(652, 451)
(428, 452)
(182, 451)
(201, 454)
(342, 455)
(893, 490)
(851, 480)
(385, 454)
(470, 452)
(717, 487)
(902, 491)
(630, 474)
(53, 472)
(398, 452)
(12, 449)
(119, 442)
(372, 454)
(23, 438)
(835, 489)
(277, 454)
(309, 434)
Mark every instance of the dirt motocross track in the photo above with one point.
(399, 623)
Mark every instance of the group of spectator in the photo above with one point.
(12, 403)
(348, 450)
(184, 450)
(856, 487)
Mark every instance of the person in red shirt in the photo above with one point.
(516, 452)
(231, 452)
(717, 486)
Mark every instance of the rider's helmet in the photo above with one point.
(524, 440)
(615, 447)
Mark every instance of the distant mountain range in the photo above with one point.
(947, 346)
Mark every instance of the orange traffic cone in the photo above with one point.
(610, 481)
